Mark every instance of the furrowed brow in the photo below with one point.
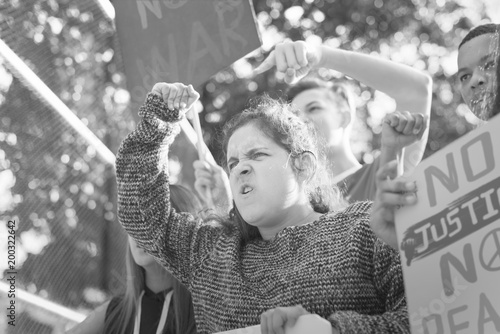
(310, 104)
(253, 150)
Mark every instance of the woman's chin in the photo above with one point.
(250, 217)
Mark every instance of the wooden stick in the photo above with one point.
(400, 160)
(201, 151)
(197, 128)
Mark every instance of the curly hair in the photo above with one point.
(277, 121)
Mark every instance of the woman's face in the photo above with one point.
(476, 74)
(262, 181)
(142, 258)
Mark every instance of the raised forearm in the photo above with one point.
(412, 89)
(141, 160)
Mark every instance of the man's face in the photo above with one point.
(325, 110)
(476, 74)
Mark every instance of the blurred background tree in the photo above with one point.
(62, 194)
(423, 34)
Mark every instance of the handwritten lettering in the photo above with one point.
(488, 319)
(485, 144)
(195, 53)
(468, 271)
(473, 171)
(153, 6)
(174, 4)
(181, 40)
(227, 31)
(471, 212)
(489, 258)
(449, 181)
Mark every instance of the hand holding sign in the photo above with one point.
(293, 59)
(211, 178)
(176, 95)
(391, 193)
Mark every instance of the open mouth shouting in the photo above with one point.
(245, 189)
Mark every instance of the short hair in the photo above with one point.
(338, 88)
(483, 29)
(489, 28)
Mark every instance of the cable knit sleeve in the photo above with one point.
(387, 278)
(178, 241)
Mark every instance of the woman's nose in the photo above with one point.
(478, 79)
(243, 168)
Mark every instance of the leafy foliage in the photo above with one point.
(420, 33)
(62, 193)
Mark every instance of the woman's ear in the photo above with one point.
(306, 164)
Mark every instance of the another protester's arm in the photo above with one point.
(93, 323)
(410, 88)
(214, 178)
(177, 240)
(392, 192)
(399, 130)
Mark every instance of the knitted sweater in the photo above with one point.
(334, 267)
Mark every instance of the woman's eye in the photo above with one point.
(464, 77)
(231, 165)
(258, 154)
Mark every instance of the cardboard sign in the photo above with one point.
(307, 323)
(450, 240)
(184, 41)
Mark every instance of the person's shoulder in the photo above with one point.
(359, 209)
(355, 216)
(353, 210)
(351, 217)
(216, 223)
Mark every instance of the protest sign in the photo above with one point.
(450, 240)
(184, 41)
(307, 323)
